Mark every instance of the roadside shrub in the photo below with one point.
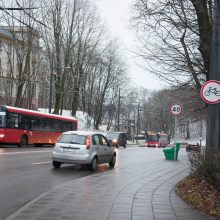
(207, 164)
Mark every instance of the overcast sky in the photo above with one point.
(116, 14)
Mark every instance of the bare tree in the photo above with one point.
(176, 36)
(74, 34)
(89, 34)
(111, 75)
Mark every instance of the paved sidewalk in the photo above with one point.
(145, 191)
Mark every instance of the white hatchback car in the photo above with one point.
(83, 147)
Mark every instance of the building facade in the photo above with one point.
(19, 67)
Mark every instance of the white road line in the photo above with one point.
(25, 152)
(40, 163)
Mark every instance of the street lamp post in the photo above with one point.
(119, 105)
(138, 122)
(213, 119)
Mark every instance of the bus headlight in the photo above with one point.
(2, 135)
(156, 145)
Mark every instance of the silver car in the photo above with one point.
(83, 147)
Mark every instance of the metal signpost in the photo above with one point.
(176, 110)
(213, 117)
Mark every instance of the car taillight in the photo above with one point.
(88, 142)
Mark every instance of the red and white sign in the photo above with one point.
(176, 109)
(210, 92)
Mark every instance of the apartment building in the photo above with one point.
(19, 66)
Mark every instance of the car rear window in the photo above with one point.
(72, 139)
(112, 135)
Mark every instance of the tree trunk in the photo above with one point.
(205, 29)
(19, 96)
(75, 103)
(57, 103)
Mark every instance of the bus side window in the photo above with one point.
(63, 126)
(34, 124)
(73, 126)
(27, 123)
(46, 125)
(21, 121)
(57, 126)
(52, 122)
(68, 126)
(12, 120)
(24, 122)
(40, 125)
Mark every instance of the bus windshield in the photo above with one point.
(152, 138)
(2, 119)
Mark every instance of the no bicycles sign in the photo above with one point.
(210, 92)
(176, 109)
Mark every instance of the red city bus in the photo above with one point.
(22, 126)
(156, 140)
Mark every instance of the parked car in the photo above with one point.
(193, 147)
(117, 139)
(83, 147)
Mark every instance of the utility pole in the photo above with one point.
(138, 122)
(213, 119)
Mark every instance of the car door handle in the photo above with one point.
(97, 148)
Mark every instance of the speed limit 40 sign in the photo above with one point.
(176, 109)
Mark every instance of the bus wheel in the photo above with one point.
(23, 141)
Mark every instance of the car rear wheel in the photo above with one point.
(56, 164)
(125, 146)
(93, 164)
(112, 163)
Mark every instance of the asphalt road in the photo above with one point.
(27, 172)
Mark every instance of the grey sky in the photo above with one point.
(116, 14)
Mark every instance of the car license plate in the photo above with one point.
(69, 150)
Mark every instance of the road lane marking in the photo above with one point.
(41, 163)
(25, 152)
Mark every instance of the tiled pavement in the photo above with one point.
(129, 193)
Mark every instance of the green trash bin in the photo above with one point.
(169, 152)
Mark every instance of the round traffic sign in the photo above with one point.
(176, 109)
(210, 92)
